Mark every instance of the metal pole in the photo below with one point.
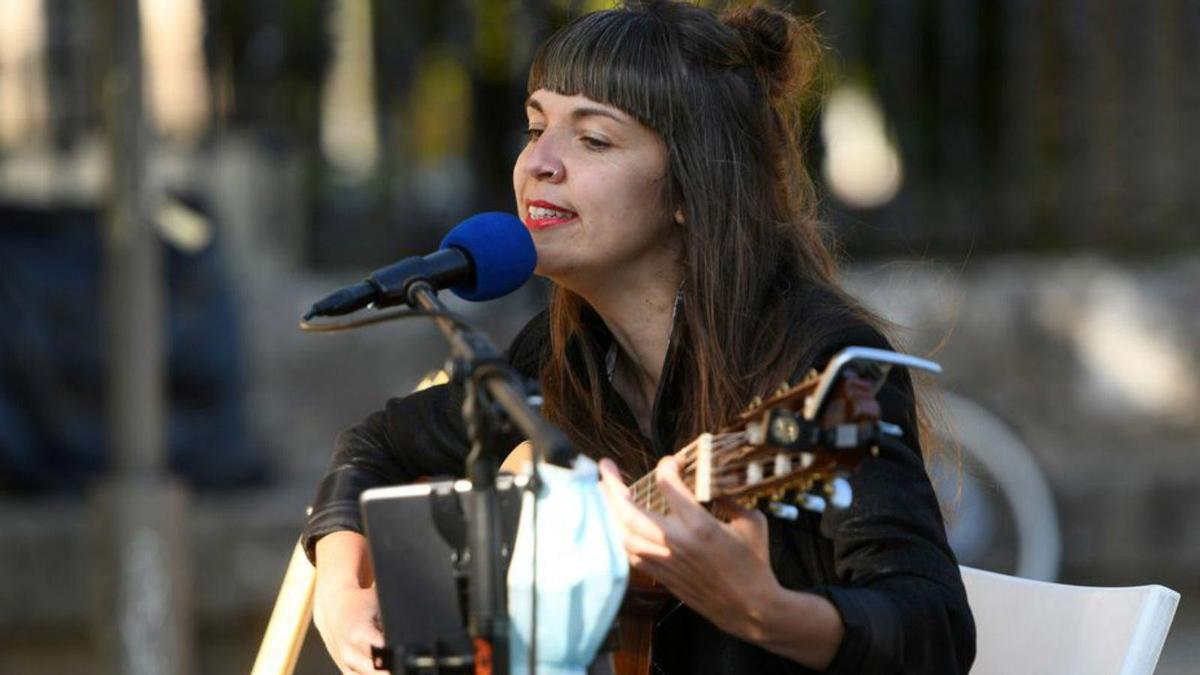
(142, 622)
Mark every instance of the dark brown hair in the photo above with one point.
(760, 288)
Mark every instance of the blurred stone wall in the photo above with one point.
(1093, 363)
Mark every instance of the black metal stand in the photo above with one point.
(494, 396)
(402, 661)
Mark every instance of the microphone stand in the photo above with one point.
(494, 395)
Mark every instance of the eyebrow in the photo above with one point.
(577, 113)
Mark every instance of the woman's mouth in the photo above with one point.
(540, 215)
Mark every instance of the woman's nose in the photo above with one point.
(545, 163)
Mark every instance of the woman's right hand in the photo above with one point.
(345, 607)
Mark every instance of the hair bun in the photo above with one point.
(783, 51)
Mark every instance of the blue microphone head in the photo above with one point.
(500, 248)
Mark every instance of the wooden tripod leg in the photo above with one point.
(289, 620)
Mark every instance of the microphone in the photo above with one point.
(484, 257)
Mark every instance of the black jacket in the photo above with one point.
(883, 562)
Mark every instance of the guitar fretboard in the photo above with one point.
(696, 469)
(646, 495)
(713, 463)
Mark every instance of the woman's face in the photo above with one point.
(590, 187)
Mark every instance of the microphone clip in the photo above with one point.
(444, 267)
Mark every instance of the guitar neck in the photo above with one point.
(695, 468)
(646, 495)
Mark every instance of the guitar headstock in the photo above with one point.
(795, 447)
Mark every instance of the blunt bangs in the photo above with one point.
(616, 57)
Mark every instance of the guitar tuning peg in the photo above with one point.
(755, 434)
(810, 502)
(755, 402)
(783, 387)
(783, 511)
(839, 492)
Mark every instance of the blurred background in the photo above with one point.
(1012, 182)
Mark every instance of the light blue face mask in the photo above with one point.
(582, 572)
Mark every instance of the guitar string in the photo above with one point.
(646, 486)
(687, 462)
(645, 492)
(658, 503)
(652, 499)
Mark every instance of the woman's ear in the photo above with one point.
(679, 215)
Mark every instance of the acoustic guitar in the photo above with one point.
(789, 452)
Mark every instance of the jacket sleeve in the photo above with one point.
(421, 434)
(899, 592)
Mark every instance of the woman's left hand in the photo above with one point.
(720, 569)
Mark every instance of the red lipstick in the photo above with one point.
(549, 215)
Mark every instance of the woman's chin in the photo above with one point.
(549, 271)
(561, 275)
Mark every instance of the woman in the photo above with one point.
(669, 206)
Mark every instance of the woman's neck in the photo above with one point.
(639, 311)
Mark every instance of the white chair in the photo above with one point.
(1034, 627)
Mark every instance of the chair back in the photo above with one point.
(1032, 627)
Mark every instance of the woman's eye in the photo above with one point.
(532, 134)
(595, 143)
